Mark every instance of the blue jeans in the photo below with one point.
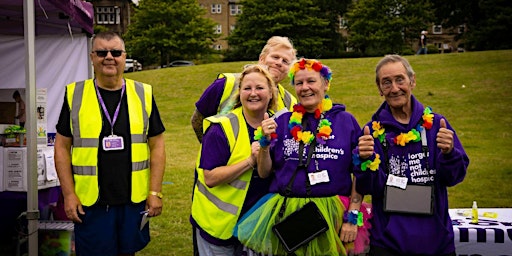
(422, 50)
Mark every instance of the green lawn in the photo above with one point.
(480, 111)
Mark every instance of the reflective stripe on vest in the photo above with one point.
(286, 99)
(86, 130)
(224, 201)
(230, 88)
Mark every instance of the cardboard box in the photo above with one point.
(15, 169)
(56, 238)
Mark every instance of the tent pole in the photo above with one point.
(30, 95)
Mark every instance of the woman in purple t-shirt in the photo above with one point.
(311, 161)
(227, 179)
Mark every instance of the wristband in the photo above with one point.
(353, 217)
(157, 194)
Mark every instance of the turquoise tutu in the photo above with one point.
(254, 229)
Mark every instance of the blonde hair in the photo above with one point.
(278, 42)
(248, 69)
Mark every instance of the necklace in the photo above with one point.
(324, 125)
(403, 138)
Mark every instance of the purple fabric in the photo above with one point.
(14, 203)
(335, 156)
(215, 151)
(80, 14)
(426, 235)
(208, 103)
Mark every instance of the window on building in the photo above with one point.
(231, 28)
(217, 47)
(462, 28)
(218, 29)
(235, 9)
(437, 29)
(216, 8)
(107, 15)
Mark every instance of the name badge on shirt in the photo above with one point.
(318, 177)
(397, 181)
(113, 142)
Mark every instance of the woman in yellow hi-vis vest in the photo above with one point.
(277, 55)
(228, 183)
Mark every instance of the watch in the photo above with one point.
(157, 194)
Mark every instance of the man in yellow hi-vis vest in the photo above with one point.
(278, 54)
(110, 155)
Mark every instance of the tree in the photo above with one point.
(163, 30)
(377, 27)
(487, 22)
(311, 28)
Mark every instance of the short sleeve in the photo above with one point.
(215, 150)
(208, 103)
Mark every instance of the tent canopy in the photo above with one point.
(51, 17)
(62, 32)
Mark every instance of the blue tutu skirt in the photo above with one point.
(254, 229)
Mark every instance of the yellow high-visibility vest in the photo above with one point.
(85, 114)
(216, 210)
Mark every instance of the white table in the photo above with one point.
(490, 236)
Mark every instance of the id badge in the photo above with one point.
(318, 177)
(397, 181)
(113, 142)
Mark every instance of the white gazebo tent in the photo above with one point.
(43, 44)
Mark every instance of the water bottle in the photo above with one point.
(474, 213)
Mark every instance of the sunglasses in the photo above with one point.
(104, 53)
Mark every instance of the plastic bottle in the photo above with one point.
(474, 213)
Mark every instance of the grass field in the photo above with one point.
(473, 90)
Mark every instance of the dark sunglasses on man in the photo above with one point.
(104, 53)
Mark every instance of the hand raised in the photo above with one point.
(444, 138)
(268, 125)
(366, 144)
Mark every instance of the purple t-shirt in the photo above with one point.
(335, 156)
(208, 103)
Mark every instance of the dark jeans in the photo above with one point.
(377, 251)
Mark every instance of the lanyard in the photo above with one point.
(112, 121)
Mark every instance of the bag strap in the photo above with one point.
(288, 189)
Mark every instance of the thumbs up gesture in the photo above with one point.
(366, 144)
(444, 138)
(268, 125)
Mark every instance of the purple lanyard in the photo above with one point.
(105, 111)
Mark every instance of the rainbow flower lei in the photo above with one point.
(324, 126)
(379, 133)
(404, 138)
